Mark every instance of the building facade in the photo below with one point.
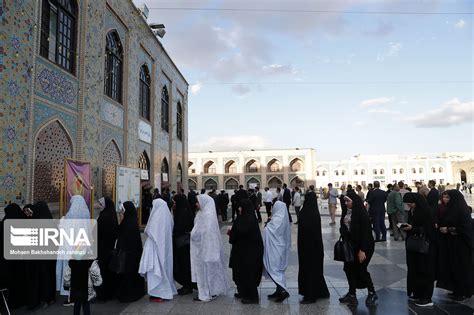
(389, 169)
(272, 168)
(87, 80)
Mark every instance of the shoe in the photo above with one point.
(459, 298)
(237, 296)
(412, 298)
(295, 223)
(185, 291)
(68, 303)
(332, 223)
(307, 301)
(249, 301)
(155, 299)
(424, 303)
(350, 299)
(371, 299)
(283, 296)
(196, 299)
(274, 295)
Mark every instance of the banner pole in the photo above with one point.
(92, 202)
(61, 199)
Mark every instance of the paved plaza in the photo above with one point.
(387, 268)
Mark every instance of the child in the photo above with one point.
(80, 278)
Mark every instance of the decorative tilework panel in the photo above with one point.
(111, 113)
(54, 85)
(109, 134)
(43, 113)
(110, 157)
(52, 146)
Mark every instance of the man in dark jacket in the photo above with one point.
(223, 202)
(241, 195)
(376, 200)
(433, 196)
(287, 200)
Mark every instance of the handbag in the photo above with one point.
(182, 240)
(343, 251)
(418, 243)
(117, 262)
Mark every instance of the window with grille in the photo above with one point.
(58, 32)
(179, 122)
(144, 92)
(165, 99)
(113, 67)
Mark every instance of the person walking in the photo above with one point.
(376, 200)
(332, 201)
(268, 199)
(287, 200)
(297, 202)
(397, 212)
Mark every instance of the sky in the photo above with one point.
(324, 74)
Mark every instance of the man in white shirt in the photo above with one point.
(297, 202)
(267, 200)
(332, 201)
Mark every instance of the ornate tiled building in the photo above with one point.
(86, 80)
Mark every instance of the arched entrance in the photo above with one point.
(274, 183)
(210, 184)
(253, 182)
(297, 182)
(462, 174)
(110, 158)
(52, 146)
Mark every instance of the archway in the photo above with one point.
(231, 184)
(296, 165)
(110, 158)
(462, 174)
(52, 146)
(297, 182)
(253, 182)
(210, 184)
(274, 166)
(274, 182)
(192, 184)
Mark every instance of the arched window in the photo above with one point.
(252, 167)
(165, 100)
(356, 172)
(179, 173)
(343, 172)
(420, 170)
(336, 172)
(273, 166)
(382, 171)
(413, 170)
(374, 171)
(231, 184)
(113, 67)
(144, 93)
(324, 173)
(58, 32)
(317, 173)
(210, 184)
(440, 170)
(252, 182)
(362, 172)
(274, 182)
(296, 165)
(433, 170)
(394, 171)
(230, 167)
(179, 122)
(401, 171)
(164, 170)
(210, 167)
(192, 184)
(191, 168)
(296, 182)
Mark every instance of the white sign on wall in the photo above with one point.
(144, 175)
(144, 132)
(128, 186)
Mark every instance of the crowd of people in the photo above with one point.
(183, 245)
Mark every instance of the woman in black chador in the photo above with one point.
(107, 236)
(131, 286)
(183, 224)
(454, 236)
(246, 256)
(355, 228)
(40, 274)
(12, 272)
(421, 267)
(311, 283)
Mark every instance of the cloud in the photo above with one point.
(460, 24)
(375, 102)
(392, 50)
(384, 111)
(241, 89)
(452, 112)
(195, 88)
(231, 143)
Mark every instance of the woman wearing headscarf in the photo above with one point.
(277, 244)
(454, 235)
(421, 267)
(207, 254)
(246, 256)
(107, 231)
(40, 274)
(131, 286)
(355, 229)
(77, 210)
(183, 224)
(311, 282)
(12, 272)
(156, 263)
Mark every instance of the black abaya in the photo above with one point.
(183, 224)
(12, 272)
(107, 235)
(131, 286)
(311, 282)
(40, 274)
(246, 256)
(454, 254)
